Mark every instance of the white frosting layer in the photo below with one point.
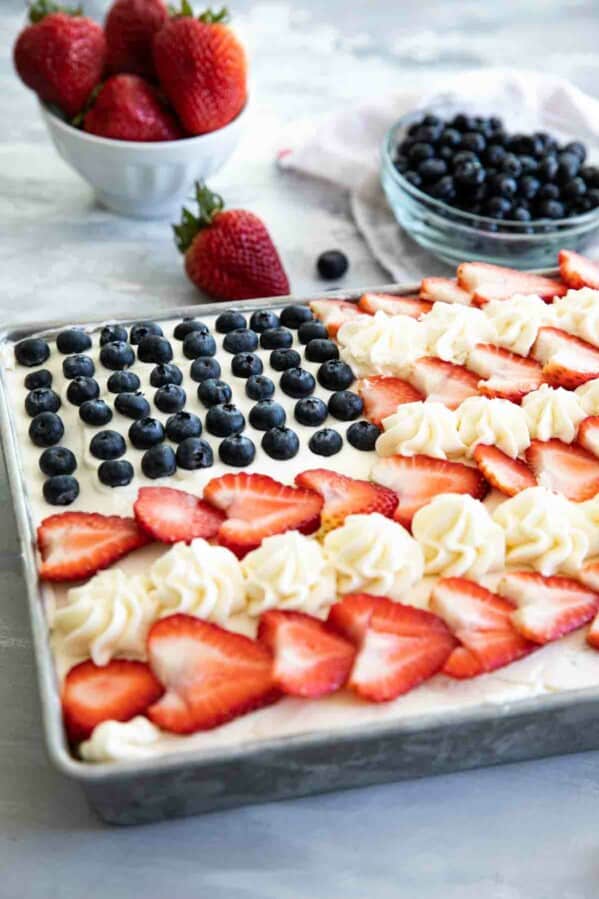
(116, 741)
(517, 321)
(453, 330)
(553, 412)
(588, 396)
(493, 422)
(385, 345)
(429, 428)
(578, 313)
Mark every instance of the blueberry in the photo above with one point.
(466, 156)
(276, 338)
(474, 141)
(132, 405)
(154, 348)
(331, 264)
(116, 472)
(401, 164)
(107, 445)
(57, 460)
(495, 154)
(224, 419)
(444, 189)
(213, 392)
(414, 178)
(245, 364)
(240, 341)
(498, 207)
(166, 373)
(95, 413)
(313, 330)
(574, 189)
(188, 326)
(182, 425)
(297, 382)
(528, 186)
(113, 333)
(420, 151)
(281, 360)
(362, 435)
(146, 432)
(590, 173)
(73, 340)
(578, 149)
(568, 165)
(548, 192)
(117, 355)
(42, 399)
(61, 490)
(198, 344)
(40, 378)
(46, 429)
(142, 329)
(345, 405)
(450, 137)
(548, 167)
(326, 442)
(321, 350)
(82, 389)
(521, 143)
(521, 214)
(194, 453)
(170, 398)
(551, 209)
(429, 133)
(502, 185)
(123, 382)
(529, 165)
(280, 443)
(259, 387)
(230, 321)
(335, 375)
(310, 411)
(159, 462)
(204, 368)
(237, 450)
(263, 319)
(78, 367)
(267, 414)
(432, 169)
(463, 122)
(469, 174)
(31, 351)
(511, 165)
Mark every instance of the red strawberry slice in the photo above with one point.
(567, 361)
(210, 675)
(310, 659)
(381, 396)
(393, 305)
(257, 506)
(170, 515)
(564, 468)
(417, 479)
(462, 664)
(74, 545)
(351, 616)
(577, 270)
(444, 290)
(588, 434)
(115, 692)
(481, 621)
(508, 475)
(334, 313)
(443, 382)
(548, 607)
(505, 375)
(343, 496)
(402, 647)
(494, 282)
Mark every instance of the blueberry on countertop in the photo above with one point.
(245, 364)
(42, 399)
(170, 399)
(95, 413)
(310, 411)
(198, 344)
(57, 460)
(146, 432)
(204, 368)
(313, 330)
(280, 443)
(116, 472)
(117, 355)
(281, 360)
(40, 378)
(362, 435)
(297, 383)
(154, 348)
(166, 373)
(333, 264)
(321, 350)
(182, 425)
(224, 419)
(213, 392)
(61, 490)
(112, 333)
(276, 338)
(132, 405)
(335, 375)
(46, 429)
(73, 340)
(78, 367)
(159, 462)
(230, 321)
(294, 316)
(237, 451)
(264, 319)
(31, 351)
(240, 341)
(267, 414)
(325, 442)
(107, 445)
(82, 389)
(123, 382)
(187, 326)
(139, 330)
(345, 405)
(193, 453)
(259, 387)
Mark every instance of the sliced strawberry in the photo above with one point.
(577, 271)
(417, 479)
(567, 361)
(310, 659)
(588, 434)
(443, 382)
(589, 575)
(402, 647)
(508, 475)
(462, 664)
(74, 545)
(481, 621)
(117, 691)
(343, 496)
(171, 516)
(564, 468)
(494, 282)
(351, 616)
(548, 607)
(505, 375)
(334, 313)
(444, 290)
(381, 396)
(257, 506)
(210, 675)
(393, 305)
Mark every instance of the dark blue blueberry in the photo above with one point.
(78, 367)
(345, 405)
(276, 338)
(213, 392)
(194, 453)
(166, 373)
(139, 330)
(40, 378)
(335, 375)
(568, 165)
(577, 148)
(267, 414)
(294, 316)
(528, 186)
(245, 364)
(107, 445)
(469, 174)
(117, 355)
(414, 178)
(432, 169)
(73, 340)
(31, 351)
(187, 326)
(280, 443)
(529, 165)
(237, 451)
(159, 462)
(548, 167)
(420, 151)
(362, 435)
(590, 173)
(182, 425)
(132, 405)
(95, 413)
(297, 383)
(321, 350)
(511, 165)
(263, 320)
(170, 399)
(574, 189)
(548, 192)
(224, 419)
(551, 209)
(474, 141)
(450, 137)
(42, 399)
(521, 214)
(61, 490)
(146, 432)
(444, 189)
(199, 344)
(116, 472)
(112, 333)
(333, 264)
(82, 389)
(230, 321)
(502, 185)
(495, 154)
(466, 156)
(310, 411)
(154, 348)
(46, 429)
(204, 368)
(281, 360)
(259, 387)
(123, 382)
(240, 341)
(57, 460)
(313, 330)
(498, 207)
(326, 442)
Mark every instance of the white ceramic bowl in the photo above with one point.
(143, 180)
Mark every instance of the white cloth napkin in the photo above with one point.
(344, 148)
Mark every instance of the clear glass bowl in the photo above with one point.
(455, 236)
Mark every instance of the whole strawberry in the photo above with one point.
(229, 255)
(129, 108)
(60, 56)
(130, 27)
(202, 69)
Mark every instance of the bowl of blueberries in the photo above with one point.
(465, 187)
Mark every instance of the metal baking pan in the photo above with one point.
(200, 781)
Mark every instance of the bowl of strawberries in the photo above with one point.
(141, 107)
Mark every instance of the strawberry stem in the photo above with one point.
(208, 17)
(209, 206)
(42, 8)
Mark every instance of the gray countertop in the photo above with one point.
(520, 832)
